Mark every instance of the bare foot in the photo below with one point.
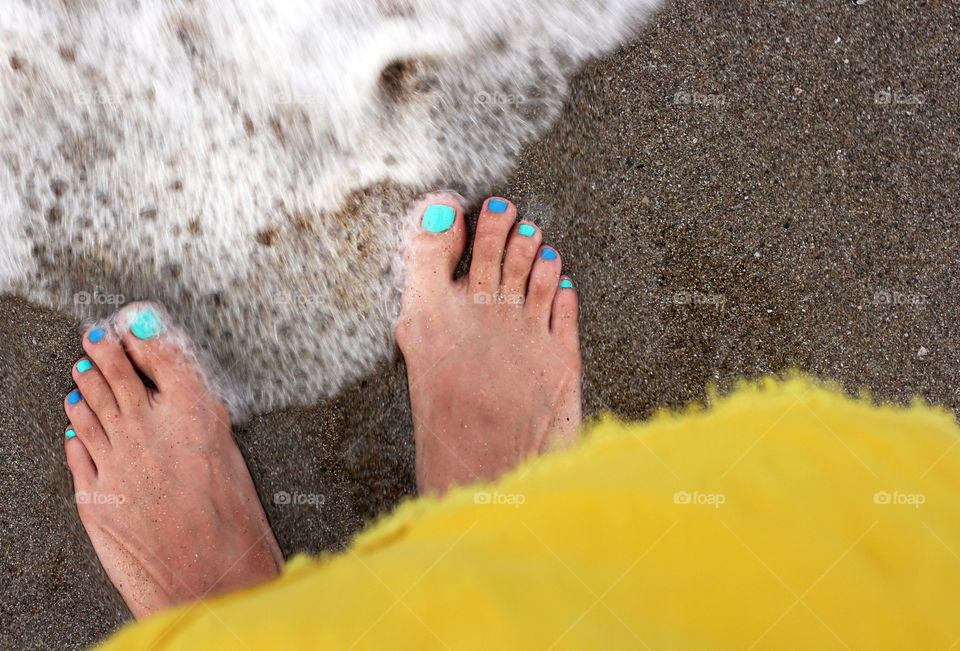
(493, 359)
(161, 486)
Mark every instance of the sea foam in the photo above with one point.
(248, 164)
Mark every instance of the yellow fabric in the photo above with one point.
(785, 516)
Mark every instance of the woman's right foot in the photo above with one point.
(493, 359)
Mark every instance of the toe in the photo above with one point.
(95, 390)
(86, 426)
(522, 250)
(563, 316)
(493, 226)
(544, 278)
(436, 242)
(106, 351)
(158, 350)
(81, 463)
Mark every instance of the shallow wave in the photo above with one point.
(248, 164)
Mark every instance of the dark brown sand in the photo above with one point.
(781, 213)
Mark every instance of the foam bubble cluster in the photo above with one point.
(248, 165)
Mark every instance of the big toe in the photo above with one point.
(159, 349)
(435, 243)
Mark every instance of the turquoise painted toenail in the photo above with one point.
(96, 335)
(84, 365)
(566, 284)
(74, 397)
(548, 254)
(70, 434)
(526, 230)
(497, 205)
(146, 324)
(438, 217)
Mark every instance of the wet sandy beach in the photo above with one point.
(749, 188)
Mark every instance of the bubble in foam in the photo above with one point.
(248, 166)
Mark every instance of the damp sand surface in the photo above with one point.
(795, 206)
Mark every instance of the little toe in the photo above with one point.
(544, 278)
(493, 227)
(96, 391)
(81, 464)
(158, 349)
(563, 315)
(435, 245)
(86, 426)
(106, 351)
(522, 250)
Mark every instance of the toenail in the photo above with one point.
(566, 284)
(438, 217)
(74, 397)
(84, 365)
(96, 335)
(146, 324)
(70, 434)
(526, 230)
(496, 205)
(548, 254)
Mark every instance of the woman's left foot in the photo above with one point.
(161, 486)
